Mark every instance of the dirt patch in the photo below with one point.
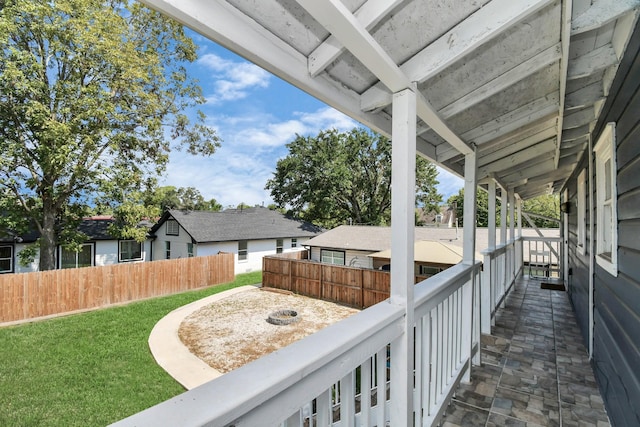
(234, 331)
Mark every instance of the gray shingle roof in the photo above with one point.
(375, 239)
(234, 224)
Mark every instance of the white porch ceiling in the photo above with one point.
(525, 81)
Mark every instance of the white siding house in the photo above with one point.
(249, 234)
(100, 249)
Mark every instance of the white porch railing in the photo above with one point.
(340, 375)
(542, 257)
(502, 265)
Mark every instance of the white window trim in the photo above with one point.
(243, 252)
(120, 259)
(294, 242)
(604, 150)
(92, 248)
(11, 249)
(330, 253)
(170, 230)
(582, 215)
(279, 246)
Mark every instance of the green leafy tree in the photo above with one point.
(335, 178)
(548, 206)
(92, 92)
(184, 198)
(482, 208)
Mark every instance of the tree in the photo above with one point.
(335, 177)
(547, 205)
(184, 198)
(91, 94)
(482, 207)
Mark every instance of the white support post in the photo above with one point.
(503, 216)
(403, 178)
(512, 205)
(492, 214)
(468, 256)
(488, 273)
(519, 207)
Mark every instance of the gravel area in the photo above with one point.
(234, 331)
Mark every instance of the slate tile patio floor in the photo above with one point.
(535, 369)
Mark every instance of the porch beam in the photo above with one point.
(517, 158)
(585, 96)
(564, 69)
(533, 118)
(369, 14)
(403, 166)
(593, 62)
(338, 20)
(470, 190)
(485, 24)
(601, 13)
(221, 22)
(491, 189)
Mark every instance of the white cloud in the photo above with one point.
(251, 146)
(232, 80)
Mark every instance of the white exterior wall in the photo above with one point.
(256, 250)
(178, 244)
(105, 253)
(352, 258)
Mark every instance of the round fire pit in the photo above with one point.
(283, 317)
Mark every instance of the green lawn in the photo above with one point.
(89, 369)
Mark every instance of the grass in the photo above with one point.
(89, 369)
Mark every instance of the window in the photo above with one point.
(606, 206)
(72, 259)
(279, 244)
(332, 257)
(294, 243)
(582, 207)
(130, 250)
(6, 259)
(167, 250)
(242, 250)
(190, 250)
(173, 229)
(426, 270)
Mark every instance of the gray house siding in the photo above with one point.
(616, 346)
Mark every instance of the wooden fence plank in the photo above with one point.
(30, 295)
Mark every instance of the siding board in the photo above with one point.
(616, 351)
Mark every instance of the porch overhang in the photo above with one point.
(523, 81)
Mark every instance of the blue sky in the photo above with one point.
(256, 114)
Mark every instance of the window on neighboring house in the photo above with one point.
(130, 250)
(72, 259)
(190, 250)
(294, 243)
(167, 250)
(332, 257)
(426, 270)
(173, 229)
(242, 250)
(279, 245)
(6, 259)
(582, 207)
(606, 206)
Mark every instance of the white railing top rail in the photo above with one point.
(432, 291)
(500, 248)
(269, 389)
(541, 239)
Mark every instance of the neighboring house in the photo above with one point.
(430, 257)
(353, 245)
(248, 233)
(100, 249)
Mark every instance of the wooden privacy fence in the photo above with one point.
(31, 295)
(356, 287)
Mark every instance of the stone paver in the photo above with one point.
(535, 369)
